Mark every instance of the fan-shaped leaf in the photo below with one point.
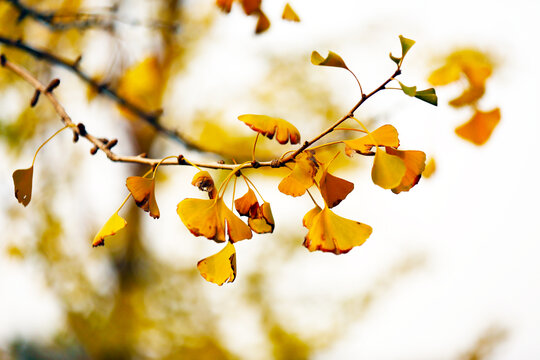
(270, 126)
(415, 163)
(427, 95)
(388, 170)
(479, 128)
(111, 227)
(408, 90)
(406, 44)
(385, 135)
(221, 267)
(301, 177)
(143, 192)
(247, 205)
(334, 189)
(263, 221)
(262, 23)
(332, 59)
(289, 14)
(22, 179)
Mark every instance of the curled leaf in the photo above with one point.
(385, 135)
(143, 192)
(247, 205)
(262, 23)
(332, 233)
(270, 126)
(289, 14)
(204, 182)
(469, 96)
(415, 163)
(111, 227)
(408, 90)
(406, 44)
(209, 218)
(22, 179)
(427, 95)
(263, 221)
(221, 267)
(301, 177)
(334, 189)
(388, 170)
(480, 127)
(332, 59)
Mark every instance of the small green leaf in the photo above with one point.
(427, 95)
(411, 91)
(406, 44)
(395, 59)
(332, 59)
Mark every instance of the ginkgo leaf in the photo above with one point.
(469, 96)
(427, 95)
(332, 233)
(250, 6)
(388, 170)
(415, 163)
(385, 135)
(332, 59)
(395, 59)
(209, 218)
(479, 128)
(430, 169)
(262, 23)
(263, 221)
(143, 192)
(289, 14)
(224, 5)
(270, 126)
(445, 75)
(204, 182)
(221, 267)
(408, 90)
(22, 179)
(301, 177)
(247, 205)
(334, 189)
(406, 44)
(111, 227)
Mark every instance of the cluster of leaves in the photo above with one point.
(476, 68)
(393, 168)
(254, 8)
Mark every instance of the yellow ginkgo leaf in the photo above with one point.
(301, 177)
(247, 205)
(262, 23)
(334, 189)
(263, 221)
(111, 227)
(204, 182)
(209, 218)
(445, 75)
(415, 163)
(22, 179)
(385, 135)
(143, 192)
(289, 14)
(388, 170)
(224, 5)
(468, 97)
(430, 169)
(332, 233)
(332, 59)
(221, 267)
(270, 126)
(479, 128)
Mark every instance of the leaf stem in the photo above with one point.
(46, 141)
(254, 145)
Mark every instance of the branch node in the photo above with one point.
(182, 160)
(143, 155)
(255, 164)
(52, 85)
(94, 150)
(35, 98)
(111, 144)
(82, 129)
(275, 163)
(75, 136)
(221, 162)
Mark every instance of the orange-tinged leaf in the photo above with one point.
(479, 128)
(385, 135)
(262, 23)
(430, 169)
(332, 59)
(22, 179)
(468, 97)
(143, 192)
(388, 170)
(250, 6)
(221, 267)
(415, 163)
(204, 182)
(334, 189)
(270, 126)
(209, 218)
(224, 5)
(247, 205)
(332, 233)
(289, 14)
(263, 221)
(111, 227)
(301, 177)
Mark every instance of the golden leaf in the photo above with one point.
(430, 169)
(301, 177)
(468, 97)
(143, 192)
(111, 227)
(209, 218)
(270, 126)
(247, 205)
(334, 189)
(479, 128)
(385, 135)
(388, 170)
(221, 267)
(263, 221)
(332, 59)
(22, 179)
(415, 163)
(289, 14)
(204, 182)
(332, 233)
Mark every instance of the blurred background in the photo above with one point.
(450, 271)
